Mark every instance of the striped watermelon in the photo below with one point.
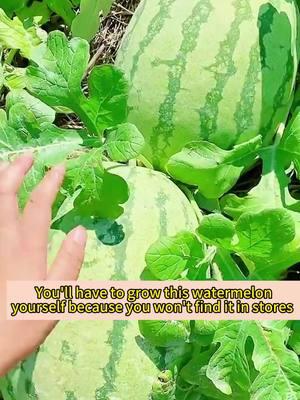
(222, 71)
(93, 360)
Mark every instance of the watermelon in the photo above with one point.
(220, 71)
(100, 360)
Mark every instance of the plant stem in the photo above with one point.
(193, 202)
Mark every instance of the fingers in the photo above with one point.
(36, 217)
(11, 178)
(70, 257)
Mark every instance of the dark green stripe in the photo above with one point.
(154, 28)
(127, 38)
(70, 396)
(223, 69)
(190, 35)
(67, 354)
(243, 115)
(116, 339)
(161, 201)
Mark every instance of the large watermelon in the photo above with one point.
(93, 360)
(221, 71)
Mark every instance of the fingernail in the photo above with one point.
(79, 235)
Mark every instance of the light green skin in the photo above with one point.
(93, 360)
(205, 69)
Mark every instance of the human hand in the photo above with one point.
(23, 253)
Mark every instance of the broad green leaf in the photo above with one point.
(194, 374)
(278, 368)
(258, 233)
(217, 230)
(272, 192)
(85, 172)
(63, 8)
(294, 341)
(36, 9)
(124, 142)
(57, 80)
(263, 238)
(86, 23)
(92, 190)
(228, 268)
(13, 35)
(11, 6)
(106, 6)
(42, 112)
(170, 257)
(212, 169)
(114, 194)
(228, 368)
(290, 144)
(14, 78)
(165, 333)
(22, 132)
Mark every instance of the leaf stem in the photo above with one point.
(192, 200)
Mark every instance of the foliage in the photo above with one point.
(28, 124)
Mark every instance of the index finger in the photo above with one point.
(11, 179)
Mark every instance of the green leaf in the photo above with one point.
(290, 144)
(13, 35)
(11, 6)
(294, 341)
(170, 257)
(63, 8)
(36, 9)
(106, 6)
(99, 193)
(14, 78)
(228, 367)
(86, 23)
(278, 368)
(260, 237)
(114, 193)
(57, 80)
(24, 131)
(165, 333)
(212, 169)
(85, 172)
(124, 142)
(42, 112)
(272, 192)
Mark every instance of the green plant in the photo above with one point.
(29, 123)
(85, 23)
